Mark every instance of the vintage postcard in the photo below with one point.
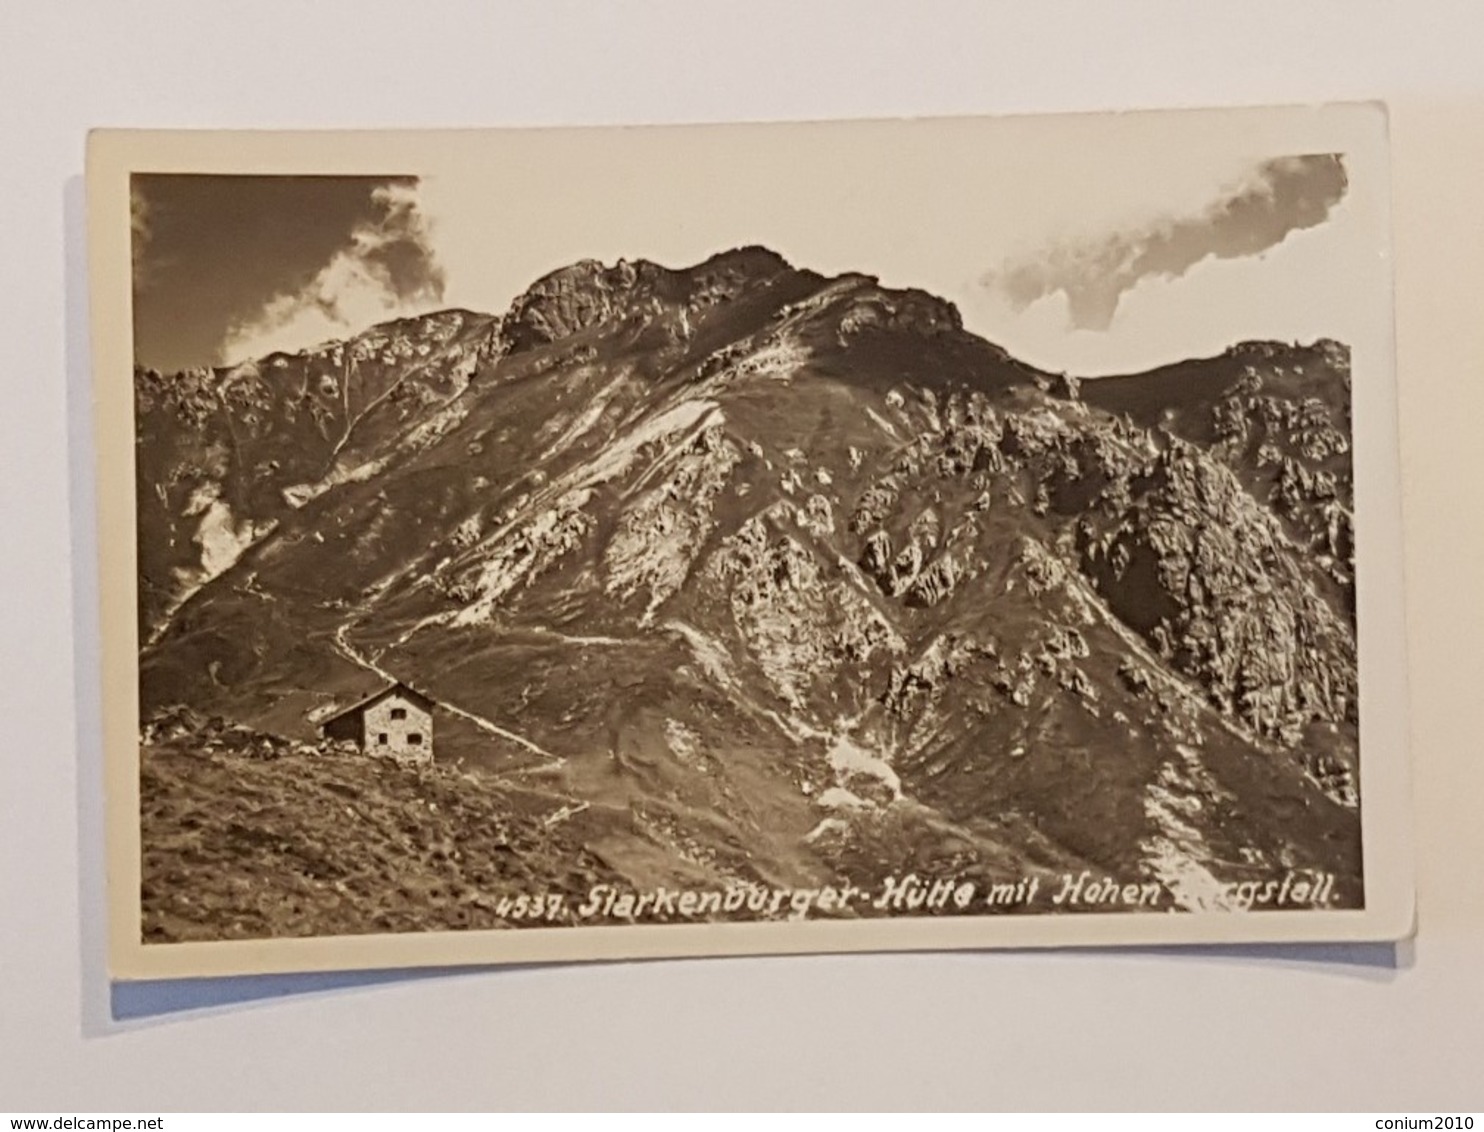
(592, 543)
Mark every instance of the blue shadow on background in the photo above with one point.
(158, 999)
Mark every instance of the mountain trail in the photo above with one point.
(347, 650)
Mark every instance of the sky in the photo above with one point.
(231, 266)
(1092, 244)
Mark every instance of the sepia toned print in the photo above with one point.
(973, 566)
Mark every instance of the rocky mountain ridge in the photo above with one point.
(787, 577)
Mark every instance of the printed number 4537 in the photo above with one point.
(526, 906)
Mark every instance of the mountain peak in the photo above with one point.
(573, 298)
(751, 259)
(589, 293)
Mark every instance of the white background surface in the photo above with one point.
(1301, 1029)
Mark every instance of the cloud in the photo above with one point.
(386, 269)
(1244, 218)
(140, 232)
(1314, 284)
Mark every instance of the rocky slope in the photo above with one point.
(787, 578)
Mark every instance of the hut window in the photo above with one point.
(399, 713)
(415, 738)
(381, 739)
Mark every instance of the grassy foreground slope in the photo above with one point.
(248, 842)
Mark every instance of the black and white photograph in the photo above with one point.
(620, 542)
